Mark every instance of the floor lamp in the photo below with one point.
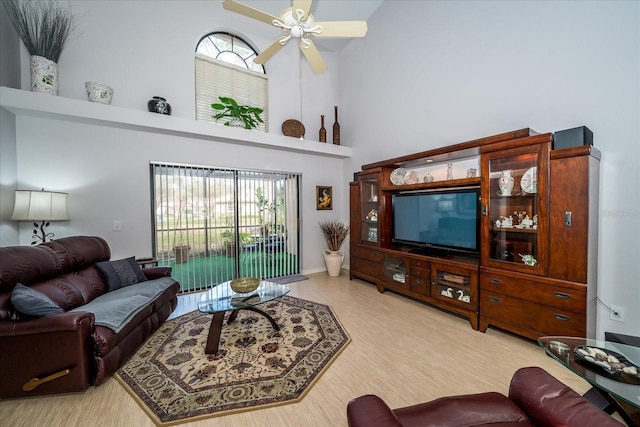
(45, 206)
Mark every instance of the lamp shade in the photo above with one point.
(40, 206)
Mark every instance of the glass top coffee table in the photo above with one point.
(612, 368)
(221, 298)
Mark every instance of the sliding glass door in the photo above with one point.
(212, 225)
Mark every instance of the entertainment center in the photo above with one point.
(501, 230)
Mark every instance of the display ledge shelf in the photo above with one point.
(462, 182)
(36, 104)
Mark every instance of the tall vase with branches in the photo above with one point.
(44, 28)
(335, 233)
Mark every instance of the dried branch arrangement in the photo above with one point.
(43, 27)
(334, 232)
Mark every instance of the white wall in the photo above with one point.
(106, 173)
(9, 76)
(435, 73)
(142, 49)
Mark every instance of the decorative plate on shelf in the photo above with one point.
(412, 178)
(397, 176)
(529, 181)
(293, 128)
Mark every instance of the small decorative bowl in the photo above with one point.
(242, 285)
(98, 92)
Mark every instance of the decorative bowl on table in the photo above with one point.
(242, 285)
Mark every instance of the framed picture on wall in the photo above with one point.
(324, 198)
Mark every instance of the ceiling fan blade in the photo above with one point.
(248, 11)
(342, 29)
(313, 56)
(303, 5)
(269, 52)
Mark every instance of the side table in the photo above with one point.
(147, 262)
(620, 390)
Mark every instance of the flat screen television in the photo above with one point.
(438, 221)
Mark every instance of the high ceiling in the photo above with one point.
(322, 10)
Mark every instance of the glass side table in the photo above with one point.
(616, 379)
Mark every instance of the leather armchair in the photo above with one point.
(535, 399)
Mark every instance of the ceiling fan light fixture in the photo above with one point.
(297, 22)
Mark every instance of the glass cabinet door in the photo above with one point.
(369, 211)
(515, 209)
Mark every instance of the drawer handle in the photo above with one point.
(495, 299)
(562, 295)
(495, 281)
(419, 282)
(562, 317)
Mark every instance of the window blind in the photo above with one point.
(216, 78)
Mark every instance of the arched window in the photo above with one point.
(225, 67)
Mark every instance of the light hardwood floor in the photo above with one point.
(404, 351)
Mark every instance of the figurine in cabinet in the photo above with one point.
(448, 293)
(507, 222)
(528, 259)
(462, 297)
(526, 222)
(520, 215)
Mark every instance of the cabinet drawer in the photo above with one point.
(365, 266)
(366, 253)
(531, 315)
(420, 284)
(545, 293)
(420, 273)
(419, 263)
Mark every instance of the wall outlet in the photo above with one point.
(617, 313)
(117, 225)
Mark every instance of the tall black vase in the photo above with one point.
(322, 135)
(336, 128)
(159, 105)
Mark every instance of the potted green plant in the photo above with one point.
(334, 232)
(237, 115)
(230, 242)
(44, 28)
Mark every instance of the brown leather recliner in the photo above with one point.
(535, 399)
(68, 352)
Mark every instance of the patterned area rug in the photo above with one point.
(174, 381)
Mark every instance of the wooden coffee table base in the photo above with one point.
(213, 340)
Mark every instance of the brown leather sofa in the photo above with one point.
(68, 352)
(535, 399)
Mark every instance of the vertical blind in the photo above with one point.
(214, 224)
(216, 78)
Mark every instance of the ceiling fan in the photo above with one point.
(296, 22)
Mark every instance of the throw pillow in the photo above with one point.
(33, 303)
(120, 273)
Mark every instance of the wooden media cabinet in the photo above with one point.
(534, 271)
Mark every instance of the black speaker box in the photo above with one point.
(572, 137)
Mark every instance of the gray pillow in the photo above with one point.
(120, 273)
(33, 303)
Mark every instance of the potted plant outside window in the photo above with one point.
(334, 232)
(237, 115)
